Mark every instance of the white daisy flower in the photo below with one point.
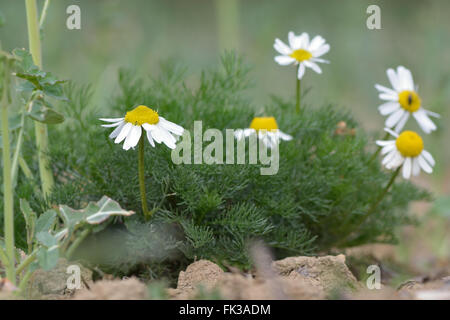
(302, 52)
(267, 130)
(130, 128)
(406, 150)
(402, 101)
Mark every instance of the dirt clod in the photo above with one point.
(53, 283)
(327, 273)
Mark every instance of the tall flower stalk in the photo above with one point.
(8, 200)
(131, 129)
(142, 178)
(298, 90)
(45, 172)
(302, 53)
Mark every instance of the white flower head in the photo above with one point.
(403, 101)
(129, 128)
(267, 130)
(407, 150)
(302, 52)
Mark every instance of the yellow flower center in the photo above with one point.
(409, 100)
(301, 55)
(409, 144)
(142, 114)
(264, 123)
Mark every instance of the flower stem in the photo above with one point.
(298, 87)
(70, 251)
(142, 178)
(375, 204)
(44, 13)
(8, 200)
(40, 128)
(375, 155)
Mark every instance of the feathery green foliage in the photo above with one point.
(324, 185)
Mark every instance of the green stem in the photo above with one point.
(375, 155)
(141, 171)
(44, 13)
(24, 281)
(40, 128)
(15, 162)
(375, 204)
(76, 243)
(298, 87)
(8, 200)
(25, 263)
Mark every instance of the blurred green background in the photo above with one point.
(141, 33)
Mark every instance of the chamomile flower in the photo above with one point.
(267, 130)
(130, 128)
(302, 52)
(403, 101)
(407, 150)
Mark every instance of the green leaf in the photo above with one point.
(46, 239)
(25, 62)
(48, 258)
(29, 215)
(37, 79)
(45, 221)
(42, 113)
(94, 213)
(107, 208)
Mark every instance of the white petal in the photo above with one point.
(321, 51)
(165, 137)
(384, 89)
(388, 107)
(392, 133)
(407, 166)
(383, 143)
(394, 118)
(388, 97)
(424, 165)
(415, 167)
(301, 71)
(401, 123)
(316, 43)
(427, 156)
(388, 148)
(319, 60)
(433, 114)
(405, 78)
(116, 131)
(294, 41)
(388, 158)
(393, 79)
(149, 137)
(284, 136)
(123, 133)
(396, 161)
(313, 66)
(281, 47)
(284, 60)
(303, 40)
(112, 124)
(111, 119)
(133, 137)
(424, 121)
(171, 127)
